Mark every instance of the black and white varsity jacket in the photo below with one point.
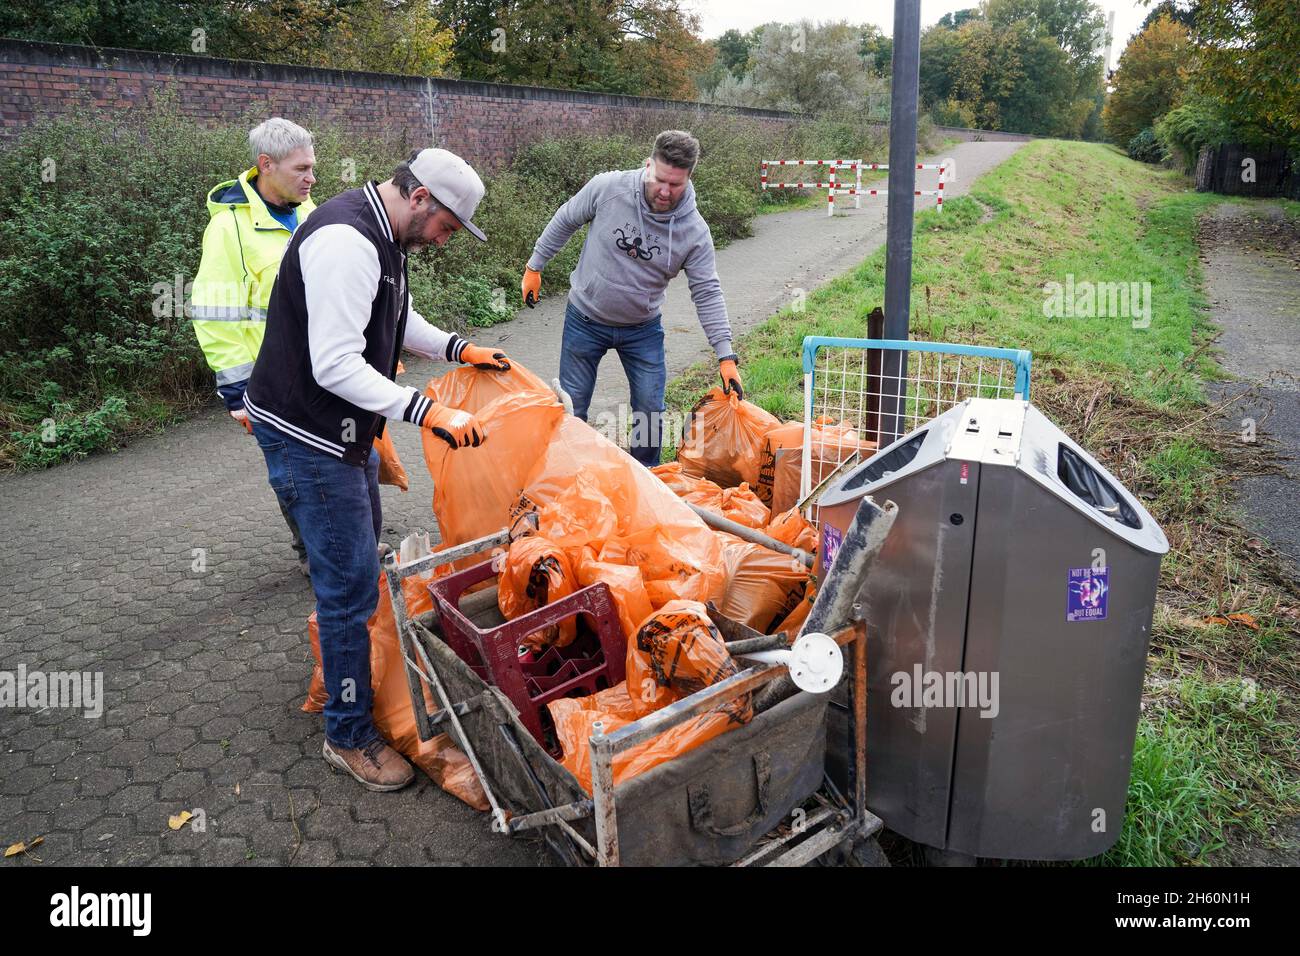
(339, 314)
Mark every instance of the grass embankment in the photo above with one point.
(1216, 756)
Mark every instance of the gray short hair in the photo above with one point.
(407, 183)
(277, 138)
(677, 148)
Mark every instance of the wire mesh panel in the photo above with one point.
(862, 394)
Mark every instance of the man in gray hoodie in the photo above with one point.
(645, 228)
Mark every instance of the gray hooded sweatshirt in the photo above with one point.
(632, 251)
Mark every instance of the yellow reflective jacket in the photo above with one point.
(242, 248)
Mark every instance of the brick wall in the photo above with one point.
(484, 122)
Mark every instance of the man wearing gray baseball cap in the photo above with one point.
(322, 390)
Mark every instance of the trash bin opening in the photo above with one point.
(890, 461)
(1088, 485)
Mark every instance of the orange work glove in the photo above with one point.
(241, 416)
(730, 376)
(457, 428)
(486, 359)
(532, 287)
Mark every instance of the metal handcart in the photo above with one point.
(770, 772)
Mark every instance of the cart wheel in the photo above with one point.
(867, 853)
(864, 852)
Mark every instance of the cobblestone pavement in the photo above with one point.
(204, 670)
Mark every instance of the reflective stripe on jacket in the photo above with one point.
(242, 248)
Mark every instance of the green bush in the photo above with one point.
(1145, 148)
(102, 217)
(101, 223)
(67, 433)
(1186, 128)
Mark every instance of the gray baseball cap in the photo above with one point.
(453, 182)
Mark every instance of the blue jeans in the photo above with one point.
(641, 350)
(336, 506)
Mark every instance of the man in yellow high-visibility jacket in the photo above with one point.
(252, 219)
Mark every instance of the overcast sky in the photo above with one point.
(718, 16)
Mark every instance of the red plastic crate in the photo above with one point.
(596, 658)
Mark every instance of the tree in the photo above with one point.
(731, 60)
(1148, 82)
(1180, 11)
(809, 68)
(1246, 57)
(941, 48)
(382, 36)
(1077, 26)
(157, 25)
(952, 21)
(733, 51)
(643, 47)
(1021, 65)
(876, 49)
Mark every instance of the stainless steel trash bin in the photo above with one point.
(1009, 616)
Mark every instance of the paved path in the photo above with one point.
(204, 670)
(1250, 252)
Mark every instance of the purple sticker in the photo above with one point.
(831, 539)
(1086, 594)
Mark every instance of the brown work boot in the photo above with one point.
(375, 766)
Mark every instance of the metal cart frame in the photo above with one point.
(838, 821)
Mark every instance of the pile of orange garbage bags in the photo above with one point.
(601, 516)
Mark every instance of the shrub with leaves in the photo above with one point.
(1145, 148)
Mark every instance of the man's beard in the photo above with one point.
(650, 201)
(416, 228)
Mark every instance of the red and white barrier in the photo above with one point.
(856, 191)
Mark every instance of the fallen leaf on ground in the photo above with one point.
(179, 820)
(1238, 618)
(22, 847)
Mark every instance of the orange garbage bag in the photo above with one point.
(831, 444)
(763, 586)
(575, 717)
(677, 651)
(625, 584)
(672, 569)
(779, 443)
(579, 517)
(677, 554)
(795, 620)
(475, 488)
(792, 528)
(444, 762)
(724, 438)
(536, 573)
(672, 474)
(471, 389)
(740, 504)
(391, 471)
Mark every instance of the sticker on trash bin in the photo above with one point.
(1088, 590)
(831, 539)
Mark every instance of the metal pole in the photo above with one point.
(902, 185)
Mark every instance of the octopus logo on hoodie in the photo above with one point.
(632, 248)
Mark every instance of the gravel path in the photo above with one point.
(205, 662)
